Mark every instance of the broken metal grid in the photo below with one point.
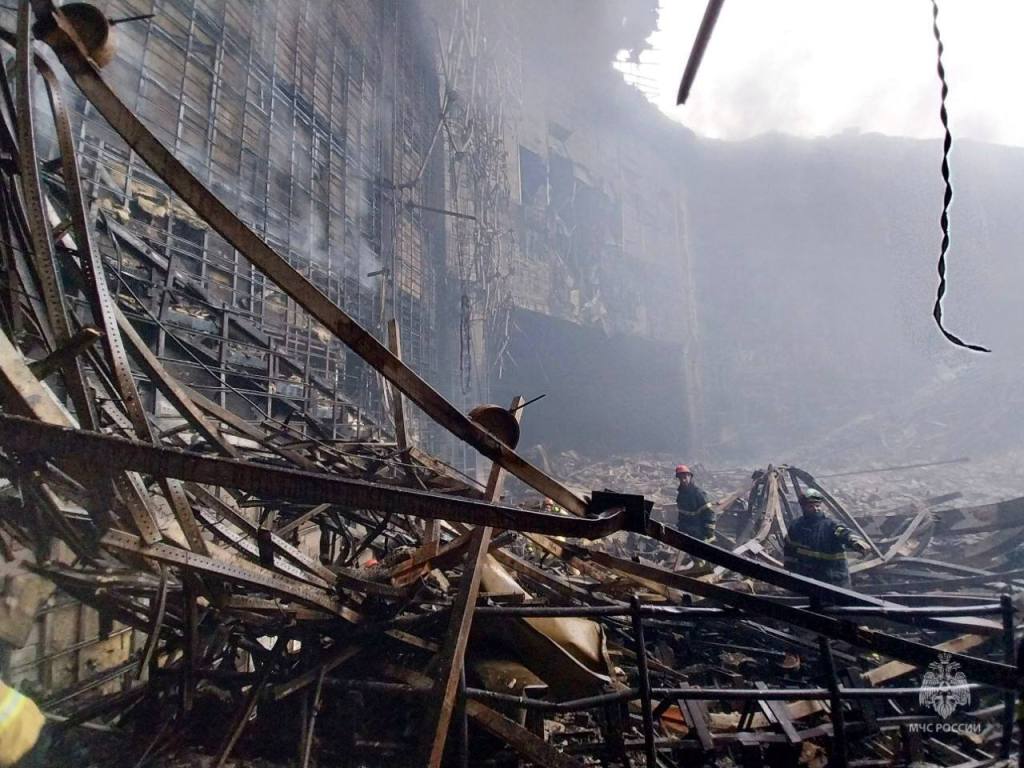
(280, 112)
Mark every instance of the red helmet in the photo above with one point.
(682, 469)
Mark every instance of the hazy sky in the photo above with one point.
(821, 67)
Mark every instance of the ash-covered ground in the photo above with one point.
(874, 488)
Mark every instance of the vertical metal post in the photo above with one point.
(645, 683)
(436, 720)
(462, 718)
(838, 758)
(1020, 697)
(1009, 697)
(348, 727)
(225, 336)
(252, 697)
(189, 595)
(314, 708)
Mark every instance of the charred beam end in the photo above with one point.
(635, 508)
(29, 437)
(81, 341)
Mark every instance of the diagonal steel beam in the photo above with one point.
(72, 55)
(794, 581)
(130, 489)
(237, 571)
(39, 230)
(104, 311)
(979, 670)
(23, 393)
(170, 387)
(118, 453)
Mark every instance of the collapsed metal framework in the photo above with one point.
(197, 535)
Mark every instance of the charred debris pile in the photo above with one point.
(261, 594)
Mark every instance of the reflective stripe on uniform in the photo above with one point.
(10, 708)
(805, 552)
(694, 512)
(20, 725)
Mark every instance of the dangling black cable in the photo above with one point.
(947, 197)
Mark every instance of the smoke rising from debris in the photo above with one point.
(812, 265)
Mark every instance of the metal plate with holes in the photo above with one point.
(250, 575)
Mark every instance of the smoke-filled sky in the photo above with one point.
(822, 67)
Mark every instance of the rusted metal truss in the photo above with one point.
(28, 436)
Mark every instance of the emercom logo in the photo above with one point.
(944, 687)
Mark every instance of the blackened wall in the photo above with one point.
(604, 393)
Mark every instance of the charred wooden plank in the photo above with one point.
(781, 716)
(62, 356)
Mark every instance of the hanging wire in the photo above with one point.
(947, 197)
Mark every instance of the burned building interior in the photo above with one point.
(348, 350)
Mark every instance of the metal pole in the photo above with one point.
(689, 693)
(838, 758)
(462, 718)
(645, 683)
(1009, 697)
(189, 663)
(685, 613)
(1020, 695)
(700, 44)
(351, 712)
(249, 705)
(314, 708)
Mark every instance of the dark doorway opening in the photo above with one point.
(605, 394)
